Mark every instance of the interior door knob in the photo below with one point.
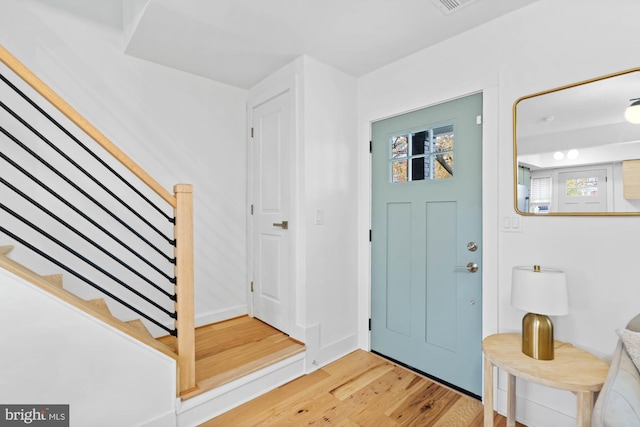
(284, 225)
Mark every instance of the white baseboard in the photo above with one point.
(199, 409)
(220, 315)
(166, 420)
(202, 319)
(533, 414)
(318, 355)
(336, 350)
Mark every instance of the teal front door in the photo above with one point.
(426, 246)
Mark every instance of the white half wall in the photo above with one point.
(179, 127)
(54, 353)
(542, 46)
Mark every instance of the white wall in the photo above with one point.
(330, 160)
(135, 385)
(542, 46)
(180, 128)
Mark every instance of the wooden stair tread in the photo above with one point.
(137, 325)
(54, 279)
(169, 341)
(4, 250)
(232, 333)
(101, 305)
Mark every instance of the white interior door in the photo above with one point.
(271, 160)
(583, 190)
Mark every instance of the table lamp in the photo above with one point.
(543, 293)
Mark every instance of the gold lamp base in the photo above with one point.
(537, 336)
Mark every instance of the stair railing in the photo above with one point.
(126, 253)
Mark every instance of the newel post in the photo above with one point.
(184, 287)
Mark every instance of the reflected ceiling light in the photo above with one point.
(558, 155)
(572, 154)
(632, 113)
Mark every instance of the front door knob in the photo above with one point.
(471, 267)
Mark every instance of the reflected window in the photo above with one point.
(540, 194)
(582, 187)
(422, 155)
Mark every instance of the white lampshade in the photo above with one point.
(540, 292)
(632, 113)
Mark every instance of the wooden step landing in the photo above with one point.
(234, 348)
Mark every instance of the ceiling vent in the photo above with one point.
(449, 6)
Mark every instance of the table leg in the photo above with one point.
(585, 407)
(511, 401)
(488, 393)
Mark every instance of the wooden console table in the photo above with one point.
(572, 369)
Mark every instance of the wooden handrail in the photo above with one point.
(184, 287)
(39, 86)
(182, 203)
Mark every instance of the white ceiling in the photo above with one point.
(107, 12)
(240, 42)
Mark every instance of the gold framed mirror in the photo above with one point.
(577, 150)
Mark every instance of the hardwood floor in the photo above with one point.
(359, 390)
(231, 349)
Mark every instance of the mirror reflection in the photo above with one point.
(577, 148)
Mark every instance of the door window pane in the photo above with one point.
(443, 138)
(444, 166)
(582, 187)
(399, 171)
(418, 142)
(428, 154)
(419, 168)
(399, 146)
